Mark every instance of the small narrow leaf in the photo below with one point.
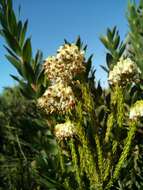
(104, 68)
(105, 41)
(27, 51)
(12, 42)
(78, 42)
(15, 78)
(109, 34)
(88, 65)
(114, 31)
(109, 59)
(121, 50)
(116, 42)
(28, 73)
(85, 48)
(23, 33)
(66, 42)
(15, 62)
(11, 52)
(19, 29)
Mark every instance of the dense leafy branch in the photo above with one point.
(114, 46)
(135, 19)
(19, 51)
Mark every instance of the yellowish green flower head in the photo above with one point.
(136, 110)
(65, 130)
(123, 72)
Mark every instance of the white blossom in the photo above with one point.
(137, 110)
(64, 130)
(125, 71)
(66, 64)
(58, 98)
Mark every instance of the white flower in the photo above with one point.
(137, 110)
(125, 71)
(58, 98)
(64, 130)
(66, 64)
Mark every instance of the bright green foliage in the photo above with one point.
(118, 104)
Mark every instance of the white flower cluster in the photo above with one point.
(64, 130)
(137, 110)
(67, 63)
(61, 69)
(58, 98)
(125, 71)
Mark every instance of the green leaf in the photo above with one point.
(37, 61)
(66, 42)
(27, 51)
(49, 182)
(37, 70)
(133, 13)
(99, 89)
(3, 3)
(12, 22)
(121, 50)
(114, 31)
(23, 33)
(88, 65)
(85, 48)
(27, 91)
(19, 30)
(104, 68)
(12, 42)
(11, 52)
(78, 42)
(28, 73)
(9, 3)
(15, 62)
(116, 42)
(109, 34)
(3, 20)
(105, 41)
(40, 77)
(109, 59)
(15, 78)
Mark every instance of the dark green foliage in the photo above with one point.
(27, 147)
(135, 38)
(104, 153)
(114, 46)
(20, 52)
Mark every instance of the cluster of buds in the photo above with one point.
(64, 130)
(125, 71)
(66, 64)
(136, 111)
(58, 98)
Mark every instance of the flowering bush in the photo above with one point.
(136, 110)
(67, 64)
(58, 98)
(123, 72)
(65, 130)
(91, 131)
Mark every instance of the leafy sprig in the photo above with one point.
(19, 52)
(114, 46)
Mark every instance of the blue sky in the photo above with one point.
(51, 21)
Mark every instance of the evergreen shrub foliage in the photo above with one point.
(59, 129)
